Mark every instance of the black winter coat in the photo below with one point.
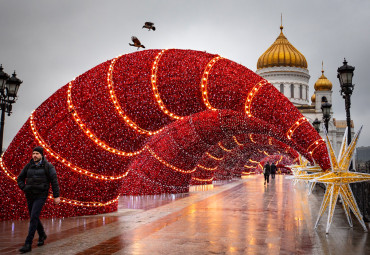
(267, 169)
(35, 181)
(273, 169)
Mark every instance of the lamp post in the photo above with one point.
(326, 107)
(8, 95)
(316, 124)
(345, 74)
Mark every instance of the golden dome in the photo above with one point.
(281, 53)
(323, 83)
(313, 98)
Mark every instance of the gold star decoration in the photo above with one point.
(298, 169)
(301, 172)
(310, 173)
(310, 179)
(337, 182)
(302, 164)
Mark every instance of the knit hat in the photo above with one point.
(39, 149)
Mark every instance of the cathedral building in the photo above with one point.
(286, 68)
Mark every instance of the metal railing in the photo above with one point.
(361, 191)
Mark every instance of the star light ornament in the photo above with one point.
(302, 168)
(337, 183)
(298, 170)
(305, 173)
(310, 173)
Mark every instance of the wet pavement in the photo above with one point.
(237, 217)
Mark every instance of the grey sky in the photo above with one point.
(50, 42)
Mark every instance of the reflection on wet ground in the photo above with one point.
(234, 217)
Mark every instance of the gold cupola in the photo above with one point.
(323, 84)
(281, 53)
(313, 98)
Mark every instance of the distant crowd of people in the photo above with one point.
(267, 170)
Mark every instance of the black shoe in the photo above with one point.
(26, 248)
(41, 240)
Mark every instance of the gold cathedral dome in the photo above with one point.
(281, 53)
(313, 98)
(323, 84)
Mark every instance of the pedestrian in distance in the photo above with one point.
(273, 170)
(35, 180)
(266, 172)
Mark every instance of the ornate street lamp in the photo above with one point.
(326, 107)
(8, 95)
(345, 74)
(316, 124)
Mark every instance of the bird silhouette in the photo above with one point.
(136, 43)
(149, 26)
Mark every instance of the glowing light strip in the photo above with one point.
(296, 124)
(250, 137)
(90, 134)
(223, 148)
(281, 158)
(251, 95)
(237, 142)
(315, 144)
(207, 168)
(213, 157)
(155, 88)
(256, 162)
(168, 164)
(202, 180)
(118, 107)
(248, 173)
(62, 199)
(204, 81)
(346, 157)
(88, 204)
(333, 159)
(8, 173)
(266, 153)
(65, 162)
(248, 166)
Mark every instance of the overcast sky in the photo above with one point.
(50, 42)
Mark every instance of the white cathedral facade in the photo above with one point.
(286, 68)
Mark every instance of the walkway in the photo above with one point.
(239, 217)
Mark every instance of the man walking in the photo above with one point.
(273, 170)
(266, 172)
(35, 180)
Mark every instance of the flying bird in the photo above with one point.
(149, 26)
(136, 42)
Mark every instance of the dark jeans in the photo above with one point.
(34, 207)
(267, 178)
(273, 175)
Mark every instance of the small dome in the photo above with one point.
(323, 84)
(281, 53)
(313, 98)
